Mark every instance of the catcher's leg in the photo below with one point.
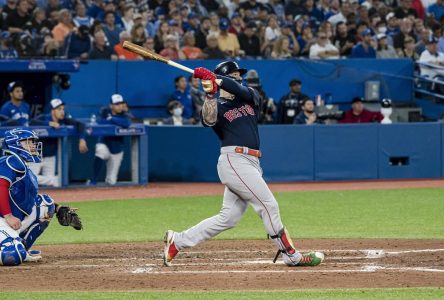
(12, 249)
(112, 167)
(232, 211)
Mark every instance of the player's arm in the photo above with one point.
(209, 111)
(5, 208)
(121, 121)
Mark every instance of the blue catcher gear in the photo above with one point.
(12, 143)
(12, 252)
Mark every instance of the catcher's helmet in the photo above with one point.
(227, 67)
(11, 143)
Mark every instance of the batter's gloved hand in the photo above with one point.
(67, 216)
(208, 80)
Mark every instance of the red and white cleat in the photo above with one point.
(170, 251)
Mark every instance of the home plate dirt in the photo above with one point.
(230, 265)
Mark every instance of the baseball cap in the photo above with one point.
(13, 85)
(297, 18)
(389, 16)
(356, 99)
(224, 24)
(294, 82)
(172, 22)
(56, 103)
(117, 99)
(366, 32)
(235, 15)
(192, 15)
(251, 24)
(5, 35)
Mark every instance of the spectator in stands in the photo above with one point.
(436, 10)
(392, 25)
(409, 49)
(122, 53)
(364, 49)
(111, 30)
(228, 42)
(9, 7)
(176, 27)
(281, 48)
(46, 170)
(100, 49)
(249, 42)
(358, 114)
(172, 49)
(175, 109)
(212, 51)
(189, 49)
(149, 44)
(110, 149)
(311, 10)
(192, 23)
(422, 41)
(197, 95)
(183, 95)
(140, 6)
(306, 40)
(138, 34)
(341, 15)
(39, 25)
(81, 17)
(78, 43)
(53, 7)
(15, 111)
(405, 10)
(237, 24)
(292, 42)
(51, 48)
(290, 104)
(202, 33)
(128, 18)
(160, 37)
(64, 27)
(405, 30)
(268, 108)
(343, 41)
(272, 31)
(109, 6)
(16, 20)
(432, 57)
(327, 28)
(384, 49)
(7, 51)
(323, 49)
(214, 23)
(95, 8)
(307, 115)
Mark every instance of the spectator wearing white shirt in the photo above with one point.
(323, 49)
(272, 32)
(433, 57)
(342, 15)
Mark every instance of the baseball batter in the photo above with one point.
(234, 118)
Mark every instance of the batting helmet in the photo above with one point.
(227, 67)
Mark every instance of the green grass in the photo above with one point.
(380, 294)
(408, 213)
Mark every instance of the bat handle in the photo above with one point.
(179, 66)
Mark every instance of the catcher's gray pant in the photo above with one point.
(242, 176)
(112, 164)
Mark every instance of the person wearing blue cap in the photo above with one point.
(16, 111)
(237, 25)
(6, 49)
(110, 148)
(364, 49)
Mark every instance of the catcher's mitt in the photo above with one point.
(67, 216)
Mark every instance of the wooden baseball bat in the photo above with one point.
(154, 56)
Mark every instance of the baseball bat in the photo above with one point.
(154, 56)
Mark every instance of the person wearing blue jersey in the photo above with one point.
(234, 118)
(24, 213)
(110, 148)
(46, 169)
(15, 112)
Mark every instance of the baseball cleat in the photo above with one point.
(170, 250)
(311, 259)
(33, 256)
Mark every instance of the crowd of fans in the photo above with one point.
(216, 29)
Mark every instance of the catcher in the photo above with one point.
(24, 214)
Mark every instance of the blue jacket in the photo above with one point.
(15, 115)
(114, 143)
(186, 100)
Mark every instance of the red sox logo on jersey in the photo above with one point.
(235, 113)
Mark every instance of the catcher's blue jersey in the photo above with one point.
(23, 188)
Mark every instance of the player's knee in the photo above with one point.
(12, 252)
(46, 206)
(229, 221)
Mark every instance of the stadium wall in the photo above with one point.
(147, 85)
